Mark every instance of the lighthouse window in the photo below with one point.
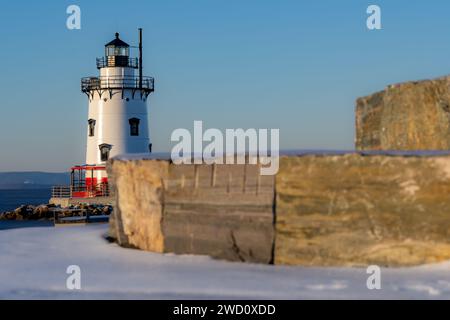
(134, 126)
(91, 123)
(104, 151)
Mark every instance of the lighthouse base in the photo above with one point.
(88, 185)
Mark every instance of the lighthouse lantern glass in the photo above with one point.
(117, 51)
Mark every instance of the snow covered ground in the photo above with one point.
(33, 263)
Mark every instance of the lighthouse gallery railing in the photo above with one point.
(116, 82)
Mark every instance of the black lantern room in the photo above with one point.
(117, 54)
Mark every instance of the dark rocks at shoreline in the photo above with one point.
(29, 212)
(47, 211)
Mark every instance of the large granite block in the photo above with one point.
(224, 211)
(406, 116)
(358, 210)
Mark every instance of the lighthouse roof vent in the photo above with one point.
(117, 42)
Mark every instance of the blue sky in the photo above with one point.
(293, 65)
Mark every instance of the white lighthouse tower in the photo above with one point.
(117, 121)
(117, 118)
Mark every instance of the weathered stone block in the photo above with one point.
(407, 116)
(224, 211)
(139, 189)
(359, 210)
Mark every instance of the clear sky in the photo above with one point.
(293, 65)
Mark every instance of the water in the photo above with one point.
(8, 224)
(11, 199)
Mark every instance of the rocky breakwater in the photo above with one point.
(406, 116)
(29, 212)
(47, 211)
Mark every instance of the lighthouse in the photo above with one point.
(117, 116)
(117, 120)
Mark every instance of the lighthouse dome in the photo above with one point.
(117, 42)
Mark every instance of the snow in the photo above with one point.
(34, 259)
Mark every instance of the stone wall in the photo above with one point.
(407, 116)
(323, 210)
